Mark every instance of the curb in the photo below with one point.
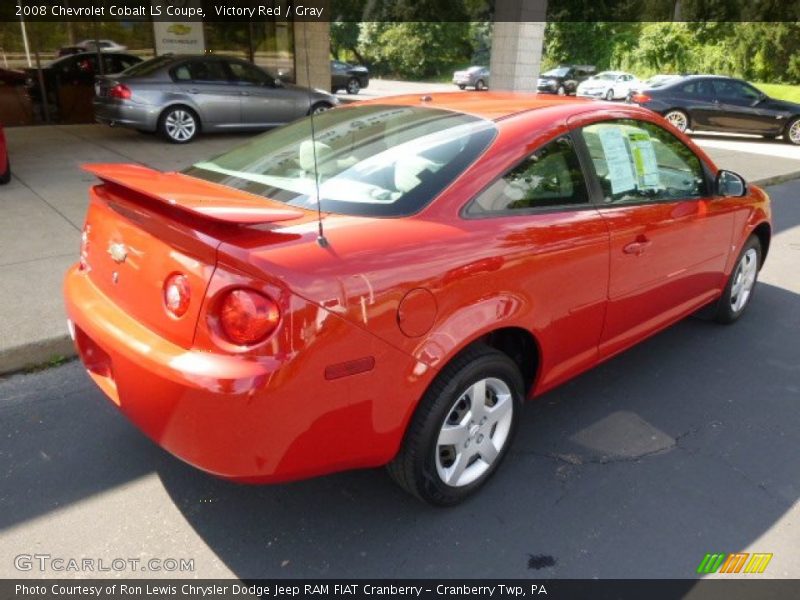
(35, 354)
(776, 179)
(41, 352)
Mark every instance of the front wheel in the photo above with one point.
(353, 86)
(741, 284)
(319, 107)
(462, 86)
(793, 132)
(480, 85)
(561, 91)
(179, 125)
(462, 428)
(610, 95)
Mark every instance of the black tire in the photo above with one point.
(561, 91)
(609, 95)
(674, 115)
(480, 85)
(5, 176)
(462, 87)
(792, 134)
(353, 86)
(319, 107)
(180, 114)
(726, 311)
(415, 466)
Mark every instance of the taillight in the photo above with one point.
(83, 265)
(248, 317)
(120, 91)
(640, 98)
(176, 294)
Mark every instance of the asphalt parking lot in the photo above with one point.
(681, 446)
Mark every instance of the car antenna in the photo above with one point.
(321, 240)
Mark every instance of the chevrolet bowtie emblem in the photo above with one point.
(118, 252)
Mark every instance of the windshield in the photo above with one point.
(560, 72)
(374, 160)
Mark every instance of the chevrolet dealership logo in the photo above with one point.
(179, 29)
(737, 562)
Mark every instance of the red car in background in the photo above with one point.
(5, 164)
(471, 252)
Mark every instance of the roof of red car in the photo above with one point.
(488, 105)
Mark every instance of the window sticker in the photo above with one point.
(644, 160)
(618, 160)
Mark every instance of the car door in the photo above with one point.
(696, 97)
(669, 240)
(262, 102)
(554, 245)
(205, 83)
(740, 108)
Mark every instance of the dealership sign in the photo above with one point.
(178, 37)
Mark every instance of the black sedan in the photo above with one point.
(347, 77)
(715, 103)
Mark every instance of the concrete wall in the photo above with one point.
(312, 42)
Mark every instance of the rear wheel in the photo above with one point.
(678, 119)
(741, 284)
(461, 86)
(793, 132)
(179, 125)
(462, 428)
(5, 174)
(353, 86)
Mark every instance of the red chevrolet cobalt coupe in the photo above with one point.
(471, 252)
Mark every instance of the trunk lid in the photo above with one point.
(143, 226)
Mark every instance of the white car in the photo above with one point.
(609, 85)
(105, 46)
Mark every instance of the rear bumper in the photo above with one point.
(252, 419)
(127, 114)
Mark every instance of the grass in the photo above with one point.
(780, 91)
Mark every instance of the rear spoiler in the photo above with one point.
(201, 198)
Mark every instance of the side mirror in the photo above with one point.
(730, 184)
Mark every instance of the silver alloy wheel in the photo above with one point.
(744, 278)
(180, 125)
(320, 109)
(474, 432)
(794, 132)
(677, 119)
(353, 87)
(609, 95)
(479, 85)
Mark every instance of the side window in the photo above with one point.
(181, 73)
(549, 177)
(637, 161)
(246, 73)
(735, 90)
(207, 71)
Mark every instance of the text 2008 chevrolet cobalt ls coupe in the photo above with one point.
(477, 251)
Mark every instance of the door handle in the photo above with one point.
(638, 246)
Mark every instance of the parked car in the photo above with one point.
(103, 45)
(609, 85)
(350, 78)
(476, 77)
(5, 164)
(454, 272)
(68, 50)
(564, 80)
(179, 96)
(659, 80)
(715, 103)
(75, 70)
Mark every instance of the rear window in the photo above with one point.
(375, 160)
(148, 67)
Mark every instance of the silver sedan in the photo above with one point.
(180, 96)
